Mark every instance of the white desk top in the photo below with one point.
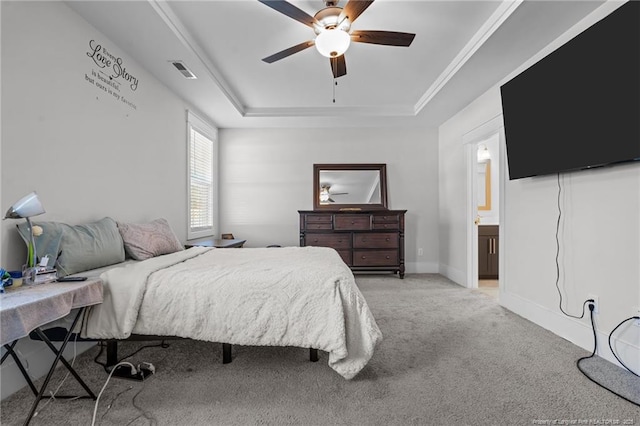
(26, 308)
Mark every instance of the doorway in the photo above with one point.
(483, 148)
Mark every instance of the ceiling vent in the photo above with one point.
(186, 72)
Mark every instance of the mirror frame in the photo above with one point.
(380, 168)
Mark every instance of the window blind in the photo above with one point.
(202, 191)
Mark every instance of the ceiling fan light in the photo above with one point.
(333, 42)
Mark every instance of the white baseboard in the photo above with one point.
(576, 331)
(421, 267)
(457, 276)
(37, 359)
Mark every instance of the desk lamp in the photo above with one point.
(25, 208)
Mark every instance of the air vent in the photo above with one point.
(186, 72)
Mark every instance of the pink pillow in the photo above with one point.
(144, 241)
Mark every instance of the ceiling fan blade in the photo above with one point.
(388, 38)
(288, 52)
(339, 193)
(291, 11)
(331, 201)
(354, 8)
(338, 66)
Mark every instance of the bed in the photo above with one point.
(289, 296)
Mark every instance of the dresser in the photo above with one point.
(366, 240)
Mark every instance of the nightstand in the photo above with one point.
(214, 242)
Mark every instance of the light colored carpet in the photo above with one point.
(450, 356)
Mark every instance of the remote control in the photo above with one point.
(69, 279)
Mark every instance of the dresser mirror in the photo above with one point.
(349, 186)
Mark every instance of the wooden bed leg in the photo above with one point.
(112, 353)
(226, 353)
(313, 355)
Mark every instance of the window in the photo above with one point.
(202, 179)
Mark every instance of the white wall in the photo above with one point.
(266, 176)
(87, 154)
(453, 215)
(599, 236)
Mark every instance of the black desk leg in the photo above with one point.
(55, 363)
(10, 351)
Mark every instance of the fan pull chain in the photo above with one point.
(335, 83)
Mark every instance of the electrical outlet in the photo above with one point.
(420, 251)
(596, 302)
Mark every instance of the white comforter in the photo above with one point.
(289, 296)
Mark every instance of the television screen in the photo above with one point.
(579, 107)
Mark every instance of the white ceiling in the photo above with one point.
(461, 49)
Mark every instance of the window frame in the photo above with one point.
(210, 132)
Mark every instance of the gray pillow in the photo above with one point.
(78, 248)
(89, 246)
(147, 240)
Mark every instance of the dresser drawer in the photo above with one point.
(390, 218)
(336, 241)
(376, 240)
(375, 257)
(319, 226)
(320, 222)
(352, 222)
(391, 221)
(318, 218)
(384, 225)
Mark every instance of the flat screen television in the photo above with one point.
(578, 107)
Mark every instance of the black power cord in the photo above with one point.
(614, 352)
(162, 344)
(595, 348)
(558, 261)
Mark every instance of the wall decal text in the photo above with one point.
(104, 59)
(110, 74)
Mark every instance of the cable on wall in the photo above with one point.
(558, 257)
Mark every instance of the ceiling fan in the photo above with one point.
(332, 26)
(325, 194)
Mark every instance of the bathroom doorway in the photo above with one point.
(484, 205)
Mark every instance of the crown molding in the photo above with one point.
(506, 8)
(337, 111)
(172, 21)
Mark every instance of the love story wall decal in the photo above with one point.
(111, 73)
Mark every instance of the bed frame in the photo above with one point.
(57, 334)
(112, 348)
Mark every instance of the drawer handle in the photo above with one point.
(315, 241)
(353, 222)
(364, 257)
(388, 257)
(387, 239)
